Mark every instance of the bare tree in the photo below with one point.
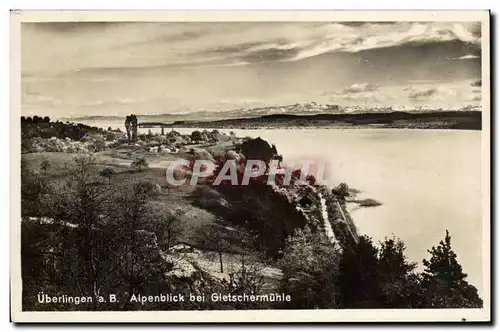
(248, 278)
(213, 238)
(108, 173)
(136, 251)
(168, 229)
(95, 239)
(44, 166)
(83, 203)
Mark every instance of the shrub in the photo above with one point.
(108, 173)
(140, 163)
(196, 136)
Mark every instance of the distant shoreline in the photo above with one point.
(460, 120)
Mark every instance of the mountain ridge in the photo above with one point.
(290, 109)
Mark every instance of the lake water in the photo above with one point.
(427, 181)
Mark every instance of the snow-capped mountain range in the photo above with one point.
(294, 109)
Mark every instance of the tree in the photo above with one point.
(108, 173)
(136, 253)
(131, 127)
(341, 191)
(213, 238)
(134, 123)
(296, 174)
(150, 135)
(258, 149)
(196, 136)
(310, 266)
(110, 136)
(140, 163)
(100, 240)
(279, 158)
(98, 143)
(127, 128)
(173, 134)
(444, 281)
(44, 166)
(357, 280)
(260, 209)
(168, 229)
(247, 279)
(36, 192)
(399, 285)
(311, 179)
(83, 203)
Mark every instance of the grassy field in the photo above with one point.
(193, 220)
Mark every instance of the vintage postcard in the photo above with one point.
(250, 166)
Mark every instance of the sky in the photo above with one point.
(99, 68)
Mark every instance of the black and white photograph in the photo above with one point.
(250, 166)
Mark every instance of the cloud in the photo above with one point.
(366, 97)
(467, 57)
(342, 38)
(136, 45)
(361, 93)
(446, 95)
(431, 93)
(268, 54)
(357, 24)
(423, 93)
(68, 27)
(476, 83)
(475, 97)
(357, 88)
(475, 94)
(40, 99)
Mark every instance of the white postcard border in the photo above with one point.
(318, 315)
